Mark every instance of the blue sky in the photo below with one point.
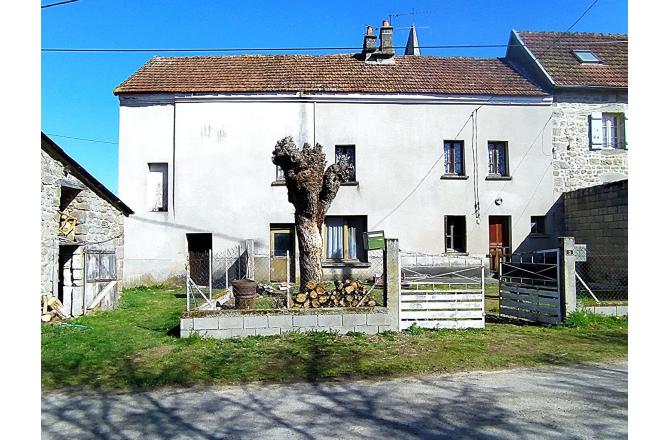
(77, 98)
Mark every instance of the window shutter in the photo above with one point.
(626, 130)
(596, 130)
(154, 196)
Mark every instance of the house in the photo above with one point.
(451, 154)
(82, 235)
(587, 74)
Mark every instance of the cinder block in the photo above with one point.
(205, 323)
(280, 321)
(228, 322)
(384, 328)
(305, 320)
(330, 321)
(347, 328)
(377, 319)
(242, 332)
(186, 324)
(256, 321)
(216, 334)
(622, 310)
(186, 333)
(307, 329)
(353, 319)
(368, 329)
(268, 331)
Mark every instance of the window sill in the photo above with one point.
(278, 183)
(498, 177)
(612, 151)
(353, 183)
(456, 254)
(345, 264)
(453, 177)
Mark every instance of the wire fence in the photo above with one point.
(602, 277)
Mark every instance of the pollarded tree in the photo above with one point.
(311, 189)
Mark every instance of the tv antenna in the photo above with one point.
(413, 13)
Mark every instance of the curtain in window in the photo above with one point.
(501, 154)
(458, 158)
(497, 159)
(453, 158)
(334, 231)
(349, 151)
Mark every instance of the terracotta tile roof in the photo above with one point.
(327, 73)
(560, 63)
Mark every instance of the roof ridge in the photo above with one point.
(599, 34)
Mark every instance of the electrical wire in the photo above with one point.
(288, 49)
(82, 139)
(58, 4)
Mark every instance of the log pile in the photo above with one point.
(350, 293)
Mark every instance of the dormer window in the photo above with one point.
(586, 57)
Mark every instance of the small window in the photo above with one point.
(344, 238)
(280, 177)
(349, 152)
(613, 130)
(586, 56)
(453, 153)
(156, 187)
(455, 233)
(498, 158)
(538, 224)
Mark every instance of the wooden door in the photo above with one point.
(499, 239)
(282, 241)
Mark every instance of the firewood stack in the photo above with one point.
(350, 293)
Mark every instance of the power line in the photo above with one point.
(82, 139)
(471, 117)
(58, 4)
(287, 49)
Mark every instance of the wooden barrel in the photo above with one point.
(244, 293)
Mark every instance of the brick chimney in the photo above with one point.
(369, 41)
(386, 47)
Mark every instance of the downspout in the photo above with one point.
(174, 161)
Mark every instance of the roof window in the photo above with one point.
(586, 56)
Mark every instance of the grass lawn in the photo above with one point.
(136, 346)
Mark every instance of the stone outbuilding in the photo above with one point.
(82, 235)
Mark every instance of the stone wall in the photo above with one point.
(97, 220)
(224, 324)
(575, 164)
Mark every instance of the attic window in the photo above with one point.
(586, 56)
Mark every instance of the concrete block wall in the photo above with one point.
(223, 325)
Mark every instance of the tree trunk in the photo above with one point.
(310, 250)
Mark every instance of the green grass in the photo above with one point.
(136, 346)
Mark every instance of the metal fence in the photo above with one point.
(601, 277)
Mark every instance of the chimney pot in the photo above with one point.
(369, 30)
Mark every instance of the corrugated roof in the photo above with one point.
(328, 73)
(561, 64)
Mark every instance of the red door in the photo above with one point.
(499, 239)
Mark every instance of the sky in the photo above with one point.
(77, 98)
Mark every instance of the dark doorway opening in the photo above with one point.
(199, 253)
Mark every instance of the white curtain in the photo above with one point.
(334, 237)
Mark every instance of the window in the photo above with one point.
(349, 152)
(280, 177)
(344, 238)
(455, 233)
(612, 125)
(586, 56)
(538, 224)
(454, 157)
(498, 158)
(156, 187)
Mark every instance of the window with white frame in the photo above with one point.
(156, 187)
(498, 158)
(343, 237)
(608, 131)
(280, 177)
(453, 153)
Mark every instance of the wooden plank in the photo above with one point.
(551, 310)
(551, 285)
(529, 316)
(419, 291)
(449, 324)
(529, 298)
(438, 305)
(428, 314)
(441, 297)
(538, 292)
(104, 292)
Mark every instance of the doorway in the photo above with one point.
(499, 239)
(199, 250)
(282, 244)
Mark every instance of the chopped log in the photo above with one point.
(349, 289)
(310, 285)
(300, 298)
(313, 294)
(322, 299)
(320, 290)
(371, 303)
(47, 317)
(315, 303)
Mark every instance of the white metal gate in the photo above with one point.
(445, 295)
(529, 287)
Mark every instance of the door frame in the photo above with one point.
(506, 243)
(288, 228)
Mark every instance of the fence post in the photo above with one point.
(210, 274)
(567, 275)
(392, 273)
(250, 259)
